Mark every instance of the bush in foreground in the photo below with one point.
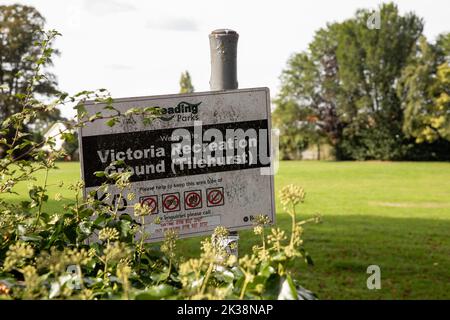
(88, 250)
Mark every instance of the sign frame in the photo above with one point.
(204, 197)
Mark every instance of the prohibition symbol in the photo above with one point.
(215, 197)
(171, 202)
(192, 199)
(151, 202)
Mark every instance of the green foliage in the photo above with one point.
(186, 83)
(370, 64)
(307, 104)
(87, 249)
(292, 140)
(370, 89)
(70, 144)
(24, 54)
(425, 89)
(296, 135)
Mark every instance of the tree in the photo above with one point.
(425, 91)
(292, 136)
(70, 146)
(310, 84)
(186, 83)
(370, 64)
(20, 40)
(347, 79)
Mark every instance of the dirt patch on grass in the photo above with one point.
(428, 205)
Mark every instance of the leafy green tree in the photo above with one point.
(70, 146)
(186, 83)
(347, 79)
(292, 138)
(20, 38)
(425, 92)
(370, 64)
(310, 85)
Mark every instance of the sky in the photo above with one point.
(139, 48)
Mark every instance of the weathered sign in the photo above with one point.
(202, 162)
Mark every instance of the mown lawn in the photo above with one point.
(392, 214)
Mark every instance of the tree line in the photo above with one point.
(370, 93)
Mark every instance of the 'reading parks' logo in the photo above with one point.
(184, 111)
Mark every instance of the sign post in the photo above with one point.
(223, 48)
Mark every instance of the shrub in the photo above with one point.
(88, 250)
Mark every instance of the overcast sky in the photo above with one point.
(137, 48)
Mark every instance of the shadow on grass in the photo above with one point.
(413, 254)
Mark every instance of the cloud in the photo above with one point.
(107, 6)
(173, 24)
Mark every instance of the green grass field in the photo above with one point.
(395, 215)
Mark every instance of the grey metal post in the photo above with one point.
(223, 48)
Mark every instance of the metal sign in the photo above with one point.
(202, 162)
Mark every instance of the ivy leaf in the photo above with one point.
(31, 237)
(99, 174)
(156, 292)
(111, 122)
(291, 291)
(84, 228)
(288, 290)
(158, 277)
(272, 287)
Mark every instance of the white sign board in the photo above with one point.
(203, 162)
